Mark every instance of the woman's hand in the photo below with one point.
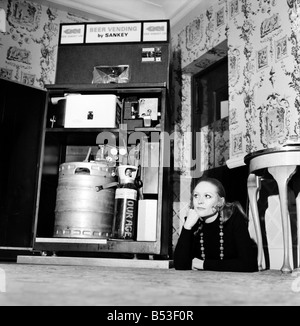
(191, 219)
(197, 264)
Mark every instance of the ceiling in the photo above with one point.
(119, 10)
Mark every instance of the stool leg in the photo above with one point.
(282, 174)
(298, 230)
(253, 186)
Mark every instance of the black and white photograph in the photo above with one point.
(150, 154)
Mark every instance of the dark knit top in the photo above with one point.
(240, 251)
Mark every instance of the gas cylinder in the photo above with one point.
(126, 204)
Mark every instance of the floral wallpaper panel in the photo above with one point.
(29, 46)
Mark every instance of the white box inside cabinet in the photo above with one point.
(91, 111)
(147, 220)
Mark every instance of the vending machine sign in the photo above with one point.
(155, 31)
(2, 20)
(72, 34)
(113, 33)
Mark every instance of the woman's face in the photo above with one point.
(206, 199)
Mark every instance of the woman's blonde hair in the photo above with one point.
(227, 208)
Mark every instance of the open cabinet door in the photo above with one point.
(22, 110)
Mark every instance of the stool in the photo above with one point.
(281, 163)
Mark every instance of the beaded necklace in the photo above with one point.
(221, 233)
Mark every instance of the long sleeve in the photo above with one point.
(183, 254)
(241, 249)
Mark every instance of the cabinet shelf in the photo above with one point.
(119, 88)
(79, 130)
(87, 130)
(97, 245)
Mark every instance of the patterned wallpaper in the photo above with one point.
(260, 38)
(28, 48)
(264, 74)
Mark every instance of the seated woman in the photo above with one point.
(215, 234)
